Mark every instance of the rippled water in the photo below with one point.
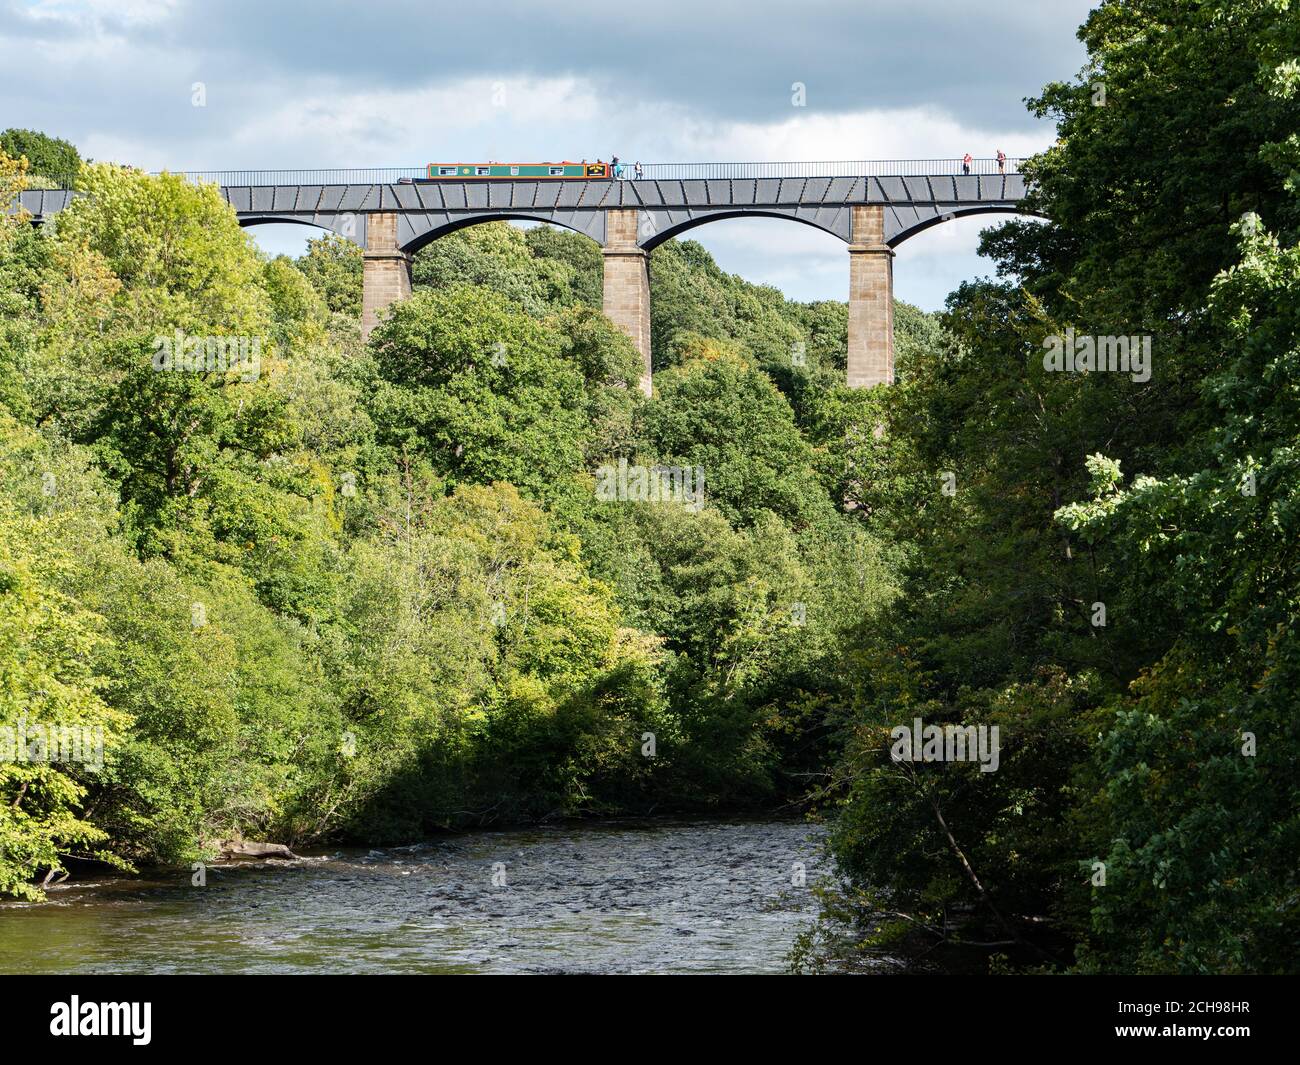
(611, 897)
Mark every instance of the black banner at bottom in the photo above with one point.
(143, 1014)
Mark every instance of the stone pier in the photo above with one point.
(627, 284)
(386, 276)
(871, 300)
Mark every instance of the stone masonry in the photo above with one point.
(386, 276)
(871, 300)
(627, 285)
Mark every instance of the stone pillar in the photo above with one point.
(871, 300)
(386, 270)
(627, 284)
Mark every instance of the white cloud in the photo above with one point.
(913, 133)
(115, 77)
(92, 12)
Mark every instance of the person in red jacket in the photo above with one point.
(965, 163)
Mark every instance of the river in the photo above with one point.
(609, 897)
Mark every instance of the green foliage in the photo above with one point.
(295, 303)
(488, 676)
(688, 292)
(48, 158)
(1196, 817)
(1125, 638)
(56, 729)
(368, 592)
(176, 248)
(496, 256)
(481, 388)
(582, 256)
(1141, 190)
(728, 418)
(20, 272)
(333, 265)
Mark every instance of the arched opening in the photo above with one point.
(804, 262)
(412, 246)
(940, 253)
(679, 228)
(515, 266)
(278, 235)
(953, 215)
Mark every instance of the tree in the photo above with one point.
(183, 404)
(20, 260)
(176, 247)
(481, 388)
(689, 293)
(56, 730)
(49, 159)
(498, 257)
(1196, 817)
(333, 265)
(1109, 631)
(728, 418)
(488, 676)
(579, 253)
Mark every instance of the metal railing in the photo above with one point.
(858, 168)
(374, 176)
(631, 171)
(388, 175)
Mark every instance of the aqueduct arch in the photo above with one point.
(873, 207)
(948, 216)
(676, 229)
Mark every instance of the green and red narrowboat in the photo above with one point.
(518, 171)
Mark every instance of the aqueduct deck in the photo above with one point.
(872, 206)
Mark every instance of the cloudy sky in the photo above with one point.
(384, 83)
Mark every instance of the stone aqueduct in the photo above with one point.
(873, 207)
